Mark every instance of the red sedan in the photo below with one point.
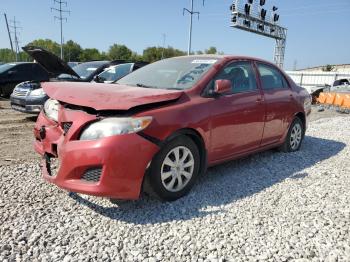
(160, 127)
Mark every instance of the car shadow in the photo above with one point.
(31, 118)
(222, 185)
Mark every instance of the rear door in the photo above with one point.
(278, 97)
(238, 116)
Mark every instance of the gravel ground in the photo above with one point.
(16, 135)
(269, 206)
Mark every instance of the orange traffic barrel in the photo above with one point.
(339, 99)
(330, 97)
(321, 98)
(346, 101)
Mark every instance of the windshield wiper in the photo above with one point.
(144, 86)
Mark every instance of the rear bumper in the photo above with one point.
(27, 104)
(121, 161)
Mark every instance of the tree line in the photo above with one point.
(74, 52)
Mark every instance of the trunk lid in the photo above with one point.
(50, 62)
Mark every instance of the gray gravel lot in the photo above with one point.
(269, 206)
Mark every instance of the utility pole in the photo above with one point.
(8, 31)
(164, 37)
(15, 27)
(191, 12)
(60, 18)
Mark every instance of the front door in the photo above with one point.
(238, 116)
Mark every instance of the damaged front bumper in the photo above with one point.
(111, 167)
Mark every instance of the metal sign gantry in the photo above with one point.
(251, 16)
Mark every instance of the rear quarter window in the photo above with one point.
(271, 78)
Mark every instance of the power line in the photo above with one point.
(9, 33)
(14, 26)
(164, 38)
(60, 18)
(191, 12)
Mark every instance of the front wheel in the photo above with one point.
(294, 137)
(174, 169)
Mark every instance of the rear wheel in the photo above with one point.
(294, 137)
(174, 169)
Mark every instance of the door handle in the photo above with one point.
(259, 100)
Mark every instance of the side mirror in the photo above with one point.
(222, 86)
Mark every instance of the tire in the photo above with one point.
(294, 137)
(178, 161)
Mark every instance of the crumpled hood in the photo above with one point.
(107, 96)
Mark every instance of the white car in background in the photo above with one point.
(115, 72)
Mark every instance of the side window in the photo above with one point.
(241, 75)
(20, 72)
(271, 78)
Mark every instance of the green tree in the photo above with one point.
(211, 51)
(6, 55)
(119, 52)
(89, 54)
(152, 54)
(47, 44)
(328, 68)
(72, 51)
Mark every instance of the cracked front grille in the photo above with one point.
(92, 175)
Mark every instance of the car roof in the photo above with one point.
(227, 57)
(20, 63)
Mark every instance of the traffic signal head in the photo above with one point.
(247, 9)
(246, 23)
(263, 14)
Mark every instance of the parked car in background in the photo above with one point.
(11, 74)
(159, 127)
(29, 97)
(341, 85)
(73, 64)
(115, 72)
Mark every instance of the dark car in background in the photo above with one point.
(29, 97)
(11, 74)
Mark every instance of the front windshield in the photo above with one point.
(6, 67)
(85, 70)
(173, 73)
(114, 73)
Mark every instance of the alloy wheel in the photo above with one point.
(177, 169)
(295, 136)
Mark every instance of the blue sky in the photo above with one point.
(318, 31)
